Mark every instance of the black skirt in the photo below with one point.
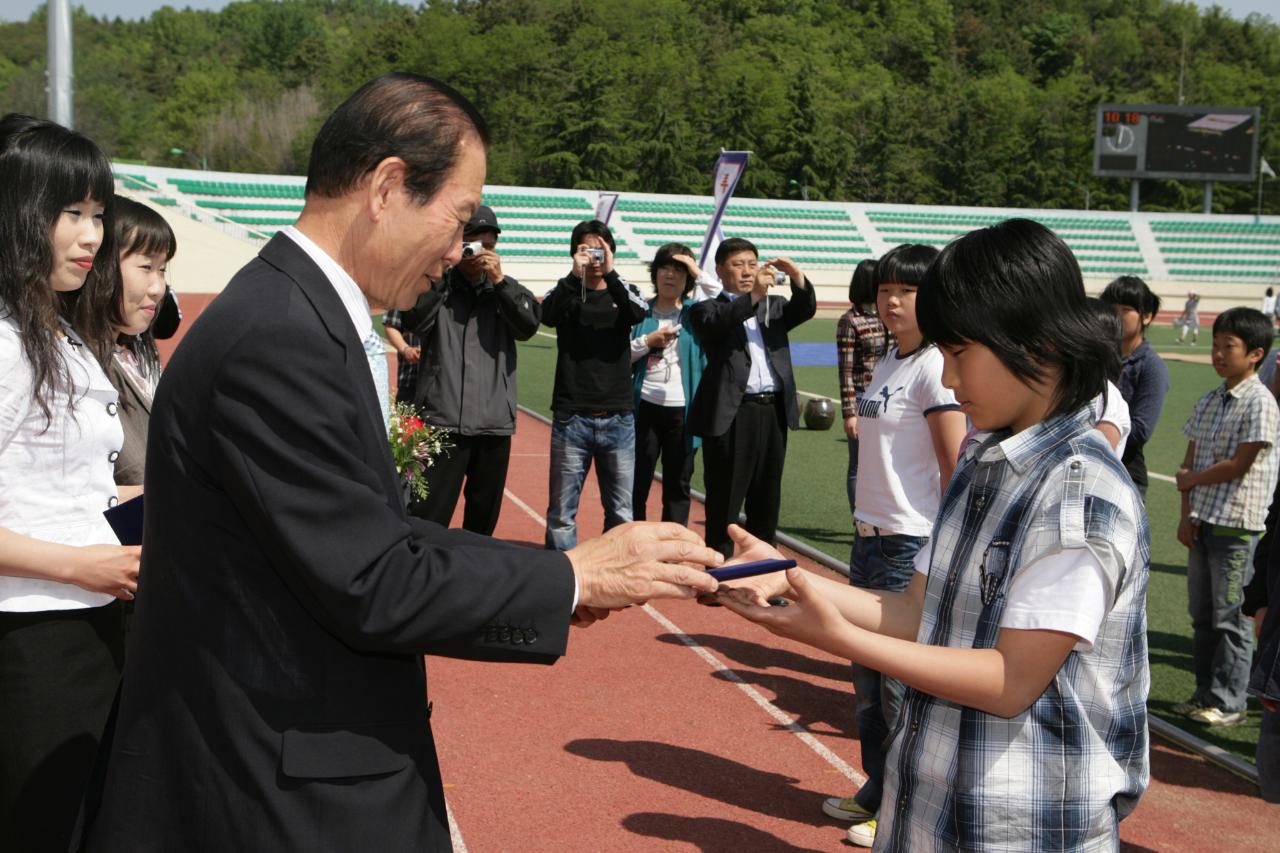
(58, 675)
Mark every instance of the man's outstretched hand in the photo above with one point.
(637, 561)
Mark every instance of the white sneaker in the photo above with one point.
(845, 809)
(863, 834)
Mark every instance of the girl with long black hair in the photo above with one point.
(62, 570)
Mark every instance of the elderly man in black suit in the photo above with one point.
(275, 697)
(747, 398)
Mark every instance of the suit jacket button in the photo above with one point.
(517, 637)
(505, 634)
(530, 636)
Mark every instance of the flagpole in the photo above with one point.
(1264, 171)
(1258, 215)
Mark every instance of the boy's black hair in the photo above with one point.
(1132, 292)
(590, 226)
(1250, 325)
(905, 264)
(1109, 328)
(1016, 289)
(862, 287)
(665, 257)
(733, 246)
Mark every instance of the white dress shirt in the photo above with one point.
(353, 298)
(55, 483)
(761, 378)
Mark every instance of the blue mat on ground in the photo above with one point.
(813, 355)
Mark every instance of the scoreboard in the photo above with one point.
(1183, 143)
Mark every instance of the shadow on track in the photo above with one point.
(708, 834)
(759, 656)
(815, 708)
(714, 777)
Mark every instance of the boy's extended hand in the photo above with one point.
(811, 619)
(759, 589)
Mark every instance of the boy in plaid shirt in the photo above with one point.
(1226, 480)
(1022, 635)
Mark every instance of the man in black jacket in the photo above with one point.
(747, 398)
(469, 325)
(275, 696)
(592, 310)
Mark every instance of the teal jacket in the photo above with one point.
(692, 361)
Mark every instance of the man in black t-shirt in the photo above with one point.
(592, 310)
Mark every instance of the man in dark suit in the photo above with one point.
(747, 398)
(275, 694)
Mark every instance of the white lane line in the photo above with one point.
(455, 834)
(530, 511)
(727, 674)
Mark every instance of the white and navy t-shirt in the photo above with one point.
(898, 480)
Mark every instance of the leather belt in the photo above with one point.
(868, 530)
(767, 399)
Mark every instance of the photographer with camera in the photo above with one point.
(747, 398)
(468, 325)
(592, 310)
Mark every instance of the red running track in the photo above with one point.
(680, 727)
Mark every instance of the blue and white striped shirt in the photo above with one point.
(1061, 774)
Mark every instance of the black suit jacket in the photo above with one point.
(718, 323)
(274, 695)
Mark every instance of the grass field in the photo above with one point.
(815, 508)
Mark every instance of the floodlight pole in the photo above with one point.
(61, 79)
(1208, 197)
(1133, 195)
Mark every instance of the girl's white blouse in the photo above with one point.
(55, 483)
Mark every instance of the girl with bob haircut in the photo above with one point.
(61, 567)
(1022, 636)
(667, 364)
(1144, 377)
(119, 313)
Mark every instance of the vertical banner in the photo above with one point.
(728, 172)
(605, 204)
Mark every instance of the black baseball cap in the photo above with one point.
(482, 220)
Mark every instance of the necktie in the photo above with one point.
(377, 355)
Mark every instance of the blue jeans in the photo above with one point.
(882, 563)
(852, 484)
(1219, 567)
(577, 440)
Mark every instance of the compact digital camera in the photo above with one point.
(778, 278)
(596, 255)
(470, 250)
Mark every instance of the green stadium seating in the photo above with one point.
(135, 182)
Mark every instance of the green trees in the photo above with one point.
(986, 102)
